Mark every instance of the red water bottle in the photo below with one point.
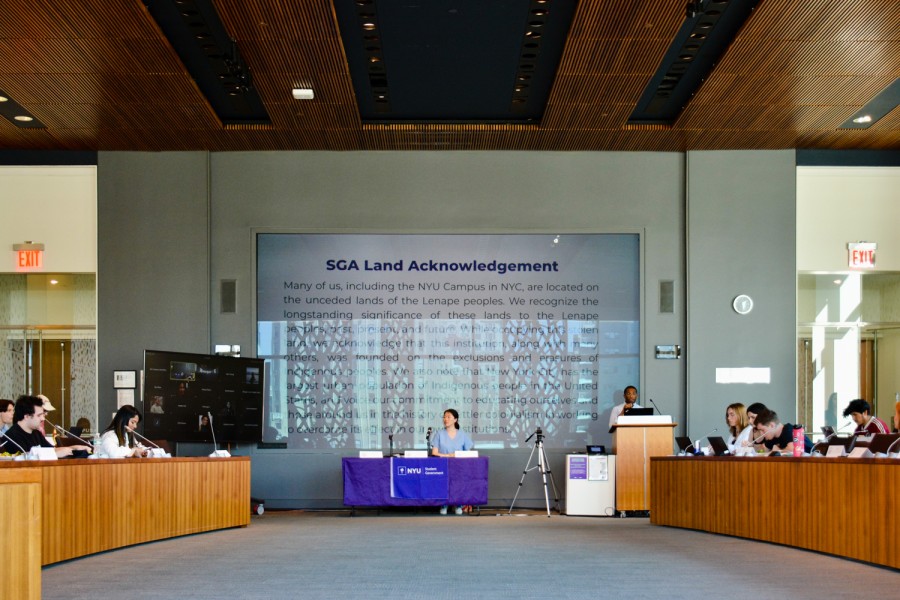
(799, 440)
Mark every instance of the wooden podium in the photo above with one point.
(635, 440)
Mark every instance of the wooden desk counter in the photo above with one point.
(94, 505)
(846, 507)
(20, 529)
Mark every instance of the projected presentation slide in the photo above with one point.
(370, 336)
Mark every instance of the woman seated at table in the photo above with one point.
(757, 408)
(739, 427)
(117, 440)
(448, 440)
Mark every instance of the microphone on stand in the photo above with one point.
(68, 433)
(391, 443)
(15, 443)
(428, 440)
(654, 405)
(146, 440)
(831, 435)
(216, 453)
(696, 449)
(888, 451)
(153, 451)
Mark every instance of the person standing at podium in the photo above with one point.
(630, 396)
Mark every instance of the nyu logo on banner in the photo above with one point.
(419, 478)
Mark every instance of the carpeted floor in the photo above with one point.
(315, 555)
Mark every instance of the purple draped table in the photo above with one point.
(367, 482)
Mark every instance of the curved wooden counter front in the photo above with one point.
(90, 506)
(846, 507)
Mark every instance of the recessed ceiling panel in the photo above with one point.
(453, 60)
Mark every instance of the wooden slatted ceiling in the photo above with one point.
(103, 77)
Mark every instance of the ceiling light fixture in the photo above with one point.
(16, 114)
(302, 94)
(212, 57)
(881, 104)
(709, 28)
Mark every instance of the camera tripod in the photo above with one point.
(544, 468)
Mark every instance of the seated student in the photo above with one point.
(866, 423)
(448, 440)
(117, 441)
(779, 437)
(7, 408)
(25, 434)
(755, 409)
(739, 428)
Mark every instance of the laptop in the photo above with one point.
(639, 412)
(827, 430)
(882, 441)
(596, 449)
(720, 448)
(76, 431)
(684, 444)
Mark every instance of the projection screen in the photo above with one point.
(368, 336)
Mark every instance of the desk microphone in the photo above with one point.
(697, 450)
(153, 454)
(654, 405)
(819, 443)
(391, 443)
(216, 453)
(146, 440)
(756, 441)
(428, 439)
(68, 433)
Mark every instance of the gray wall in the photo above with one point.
(152, 267)
(153, 214)
(741, 210)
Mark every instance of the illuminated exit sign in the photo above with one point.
(861, 255)
(28, 256)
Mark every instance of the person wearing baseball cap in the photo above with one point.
(48, 407)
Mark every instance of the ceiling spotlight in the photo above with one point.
(863, 119)
(23, 118)
(54, 281)
(302, 93)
